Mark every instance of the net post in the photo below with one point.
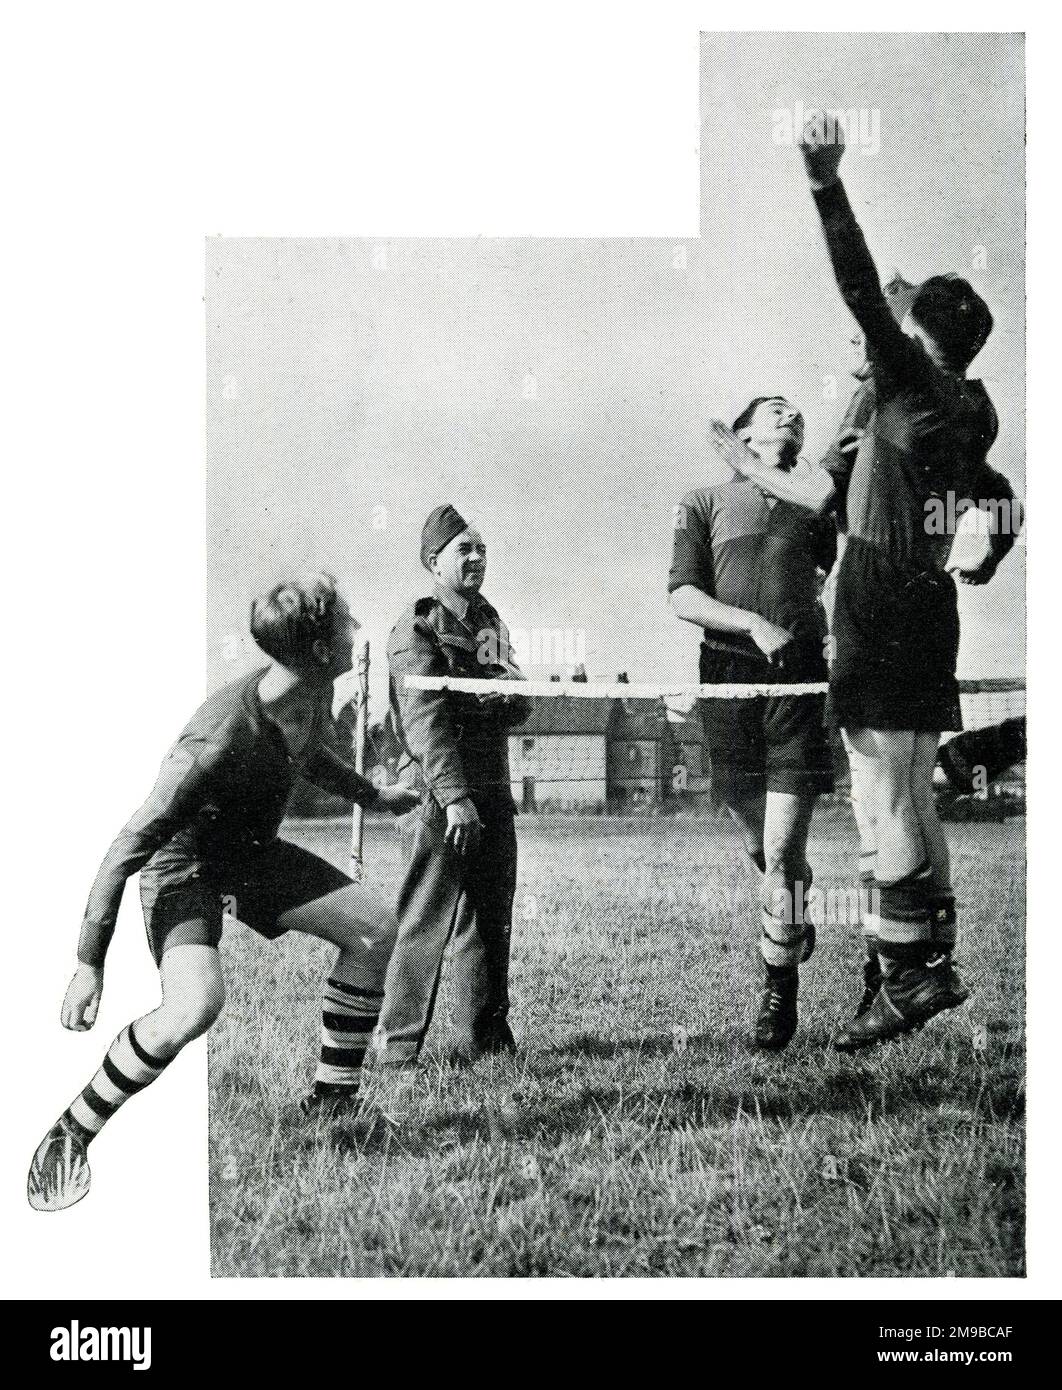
(361, 725)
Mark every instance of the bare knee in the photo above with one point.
(187, 1015)
(892, 787)
(922, 794)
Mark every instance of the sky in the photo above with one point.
(558, 391)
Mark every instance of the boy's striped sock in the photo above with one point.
(348, 1018)
(127, 1068)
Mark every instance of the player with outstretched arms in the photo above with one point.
(207, 836)
(895, 636)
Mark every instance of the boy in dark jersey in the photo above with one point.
(745, 569)
(205, 841)
(895, 619)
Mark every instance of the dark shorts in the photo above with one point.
(775, 743)
(183, 904)
(895, 645)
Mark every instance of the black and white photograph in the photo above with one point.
(594, 853)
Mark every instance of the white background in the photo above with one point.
(131, 133)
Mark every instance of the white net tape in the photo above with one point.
(607, 690)
(576, 754)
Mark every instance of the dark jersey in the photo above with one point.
(930, 429)
(750, 552)
(221, 792)
(798, 547)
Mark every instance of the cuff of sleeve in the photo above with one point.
(830, 195)
(446, 796)
(91, 950)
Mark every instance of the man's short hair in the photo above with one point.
(294, 615)
(745, 418)
(955, 317)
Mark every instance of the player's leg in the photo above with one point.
(923, 761)
(798, 767)
(911, 993)
(943, 915)
(785, 925)
(862, 775)
(193, 993)
(747, 809)
(290, 889)
(480, 950)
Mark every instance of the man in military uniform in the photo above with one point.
(461, 846)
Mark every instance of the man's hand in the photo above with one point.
(974, 572)
(850, 440)
(463, 826)
(771, 640)
(82, 1000)
(731, 450)
(822, 145)
(492, 700)
(398, 799)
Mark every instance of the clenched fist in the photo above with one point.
(822, 145)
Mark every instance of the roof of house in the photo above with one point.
(567, 714)
(687, 728)
(639, 719)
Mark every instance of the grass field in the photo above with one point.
(637, 1133)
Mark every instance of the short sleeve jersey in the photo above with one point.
(720, 535)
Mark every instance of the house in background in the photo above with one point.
(695, 776)
(596, 755)
(641, 754)
(558, 758)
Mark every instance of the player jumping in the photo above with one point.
(895, 623)
(745, 569)
(208, 832)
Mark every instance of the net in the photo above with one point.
(595, 745)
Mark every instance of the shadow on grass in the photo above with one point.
(594, 1111)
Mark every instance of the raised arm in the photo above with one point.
(515, 709)
(813, 489)
(822, 146)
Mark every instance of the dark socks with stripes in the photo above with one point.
(904, 927)
(944, 921)
(348, 1019)
(127, 1069)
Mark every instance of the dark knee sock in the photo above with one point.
(904, 923)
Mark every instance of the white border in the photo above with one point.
(135, 131)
